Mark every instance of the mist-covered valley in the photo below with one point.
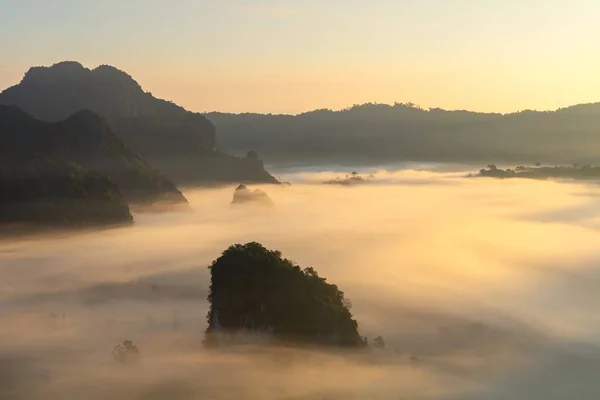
(481, 289)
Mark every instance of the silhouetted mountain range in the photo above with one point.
(45, 192)
(83, 139)
(387, 133)
(180, 143)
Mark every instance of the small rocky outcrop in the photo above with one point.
(243, 195)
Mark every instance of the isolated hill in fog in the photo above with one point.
(254, 290)
(379, 132)
(41, 191)
(84, 139)
(179, 142)
(243, 195)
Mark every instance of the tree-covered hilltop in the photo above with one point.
(255, 290)
(85, 139)
(375, 133)
(180, 143)
(575, 171)
(40, 191)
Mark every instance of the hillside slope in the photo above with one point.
(40, 191)
(85, 139)
(179, 142)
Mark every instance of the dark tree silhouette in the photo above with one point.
(254, 289)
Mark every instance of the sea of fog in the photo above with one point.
(482, 289)
(290, 169)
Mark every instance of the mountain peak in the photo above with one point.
(64, 70)
(75, 72)
(71, 65)
(109, 69)
(94, 126)
(112, 74)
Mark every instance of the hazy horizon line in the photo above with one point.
(399, 104)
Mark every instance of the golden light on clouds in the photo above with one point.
(483, 280)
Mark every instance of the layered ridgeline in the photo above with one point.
(84, 139)
(180, 143)
(256, 295)
(573, 172)
(40, 191)
(375, 133)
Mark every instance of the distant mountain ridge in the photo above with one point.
(84, 139)
(375, 133)
(179, 142)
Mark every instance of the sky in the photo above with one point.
(290, 56)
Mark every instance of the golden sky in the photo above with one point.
(296, 55)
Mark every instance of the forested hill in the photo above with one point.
(180, 143)
(379, 132)
(39, 191)
(84, 139)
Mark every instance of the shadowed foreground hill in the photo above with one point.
(85, 139)
(180, 143)
(43, 192)
(375, 133)
(254, 292)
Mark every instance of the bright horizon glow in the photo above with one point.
(299, 55)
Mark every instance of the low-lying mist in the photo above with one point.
(482, 289)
